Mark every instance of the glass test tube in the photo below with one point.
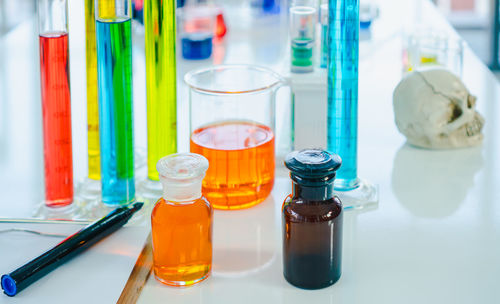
(302, 36)
(94, 166)
(343, 39)
(323, 17)
(114, 64)
(159, 22)
(56, 102)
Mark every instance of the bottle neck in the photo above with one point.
(313, 193)
(181, 191)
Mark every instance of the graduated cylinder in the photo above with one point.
(56, 102)
(94, 166)
(343, 44)
(114, 60)
(159, 22)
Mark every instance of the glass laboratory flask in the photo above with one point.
(232, 112)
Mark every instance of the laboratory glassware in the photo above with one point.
(114, 60)
(232, 109)
(342, 120)
(368, 11)
(161, 84)
(90, 188)
(323, 17)
(428, 48)
(303, 16)
(56, 102)
(181, 222)
(312, 221)
(197, 21)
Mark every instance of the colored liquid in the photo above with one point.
(220, 26)
(343, 41)
(271, 6)
(302, 55)
(56, 109)
(428, 59)
(114, 55)
(312, 242)
(324, 46)
(241, 163)
(197, 45)
(94, 165)
(182, 241)
(159, 22)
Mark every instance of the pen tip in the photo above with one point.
(137, 206)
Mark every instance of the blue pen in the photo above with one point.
(24, 276)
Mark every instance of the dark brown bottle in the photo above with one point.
(312, 221)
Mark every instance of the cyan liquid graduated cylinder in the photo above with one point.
(114, 56)
(343, 41)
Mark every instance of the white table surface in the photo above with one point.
(434, 238)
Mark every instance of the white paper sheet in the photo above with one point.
(97, 275)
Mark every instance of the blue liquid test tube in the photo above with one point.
(114, 65)
(342, 138)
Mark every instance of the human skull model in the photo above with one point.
(434, 110)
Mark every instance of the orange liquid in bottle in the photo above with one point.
(241, 157)
(182, 241)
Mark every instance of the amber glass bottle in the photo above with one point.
(181, 222)
(312, 221)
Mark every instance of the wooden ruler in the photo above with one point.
(139, 275)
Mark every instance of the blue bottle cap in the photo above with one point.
(312, 166)
(9, 285)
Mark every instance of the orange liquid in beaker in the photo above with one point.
(182, 241)
(241, 163)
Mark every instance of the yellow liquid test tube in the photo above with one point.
(94, 162)
(93, 149)
(159, 23)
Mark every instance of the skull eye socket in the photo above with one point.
(456, 112)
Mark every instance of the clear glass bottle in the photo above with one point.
(181, 222)
(312, 221)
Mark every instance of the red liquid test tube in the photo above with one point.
(56, 102)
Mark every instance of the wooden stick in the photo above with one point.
(139, 275)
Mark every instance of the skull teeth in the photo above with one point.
(474, 127)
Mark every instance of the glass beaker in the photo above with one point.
(428, 48)
(232, 111)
